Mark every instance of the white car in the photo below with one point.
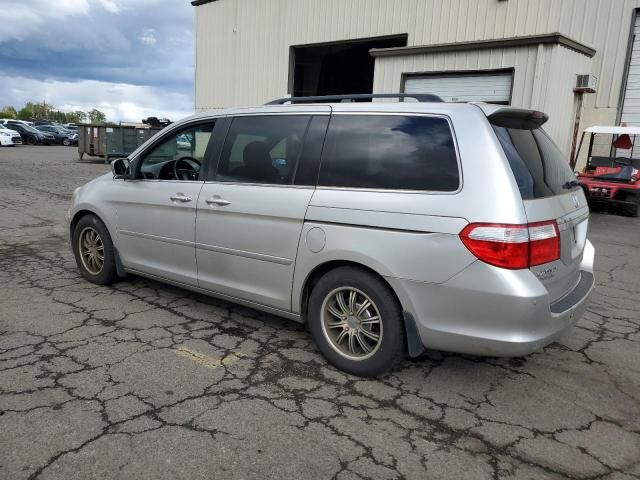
(9, 137)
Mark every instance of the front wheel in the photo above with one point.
(66, 142)
(31, 141)
(630, 210)
(93, 249)
(356, 322)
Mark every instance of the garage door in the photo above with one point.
(631, 106)
(464, 87)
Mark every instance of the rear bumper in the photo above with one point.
(594, 201)
(491, 311)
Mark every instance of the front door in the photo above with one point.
(156, 212)
(250, 216)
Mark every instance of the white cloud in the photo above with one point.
(27, 18)
(110, 6)
(120, 102)
(148, 37)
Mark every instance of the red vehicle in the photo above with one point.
(612, 179)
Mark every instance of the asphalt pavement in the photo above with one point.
(147, 381)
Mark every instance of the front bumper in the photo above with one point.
(8, 141)
(490, 311)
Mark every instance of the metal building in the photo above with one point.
(529, 53)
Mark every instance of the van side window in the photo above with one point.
(180, 153)
(262, 149)
(309, 164)
(390, 152)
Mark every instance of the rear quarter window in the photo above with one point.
(390, 152)
(538, 166)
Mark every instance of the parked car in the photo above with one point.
(61, 135)
(71, 126)
(386, 227)
(30, 135)
(612, 180)
(37, 123)
(9, 137)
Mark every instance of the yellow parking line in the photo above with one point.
(206, 360)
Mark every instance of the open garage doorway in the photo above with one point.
(336, 68)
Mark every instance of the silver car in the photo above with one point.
(387, 227)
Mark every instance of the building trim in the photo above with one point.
(529, 40)
(195, 3)
(627, 66)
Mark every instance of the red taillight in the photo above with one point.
(513, 246)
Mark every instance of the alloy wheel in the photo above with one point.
(352, 323)
(91, 250)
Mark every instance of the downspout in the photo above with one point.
(576, 128)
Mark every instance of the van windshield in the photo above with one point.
(540, 169)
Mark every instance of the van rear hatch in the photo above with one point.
(549, 191)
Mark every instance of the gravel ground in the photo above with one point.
(142, 380)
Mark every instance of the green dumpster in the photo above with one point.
(111, 141)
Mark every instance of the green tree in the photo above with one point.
(8, 112)
(76, 117)
(96, 116)
(25, 113)
(41, 111)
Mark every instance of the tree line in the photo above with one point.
(44, 111)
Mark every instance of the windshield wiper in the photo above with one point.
(571, 184)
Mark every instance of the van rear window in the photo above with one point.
(540, 169)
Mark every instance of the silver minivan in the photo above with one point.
(386, 227)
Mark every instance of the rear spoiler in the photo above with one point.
(518, 118)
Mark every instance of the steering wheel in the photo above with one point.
(184, 169)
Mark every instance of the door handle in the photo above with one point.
(180, 197)
(216, 200)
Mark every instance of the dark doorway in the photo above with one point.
(337, 68)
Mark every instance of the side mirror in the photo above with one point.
(120, 168)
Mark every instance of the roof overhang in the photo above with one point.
(526, 41)
(195, 3)
(614, 130)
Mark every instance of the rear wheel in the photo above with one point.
(31, 140)
(631, 208)
(356, 322)
(93, 249)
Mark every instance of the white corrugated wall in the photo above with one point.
(389, 70)
(242, 53)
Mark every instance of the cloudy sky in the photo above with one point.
(129, 58)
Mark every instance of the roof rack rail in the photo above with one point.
(420, 97)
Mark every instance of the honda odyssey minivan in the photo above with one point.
(386, 227)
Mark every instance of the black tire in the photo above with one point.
(31, 140)
(107, 274)
(66, 142)
(391, 346)
(630, 210)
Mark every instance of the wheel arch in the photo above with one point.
(322, 269)
(83, 212)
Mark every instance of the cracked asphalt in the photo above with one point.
(147, 381)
